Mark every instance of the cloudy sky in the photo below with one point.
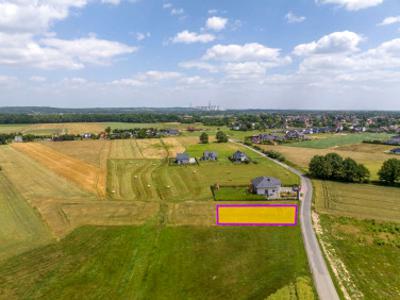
(318, 54)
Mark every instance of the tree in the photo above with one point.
(108, 130)
(336, 164)
(353, 172)
(204, 138)
(390, 171)
(221, 137)
(320, 168)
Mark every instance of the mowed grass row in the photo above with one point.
(370, 253)
(153, 262)
(364, 201)
(21, 227)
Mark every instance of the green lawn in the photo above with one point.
(156, 262)
(332, 140)
(227, 193)
(370, 252)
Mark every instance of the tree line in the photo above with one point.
(334, 167)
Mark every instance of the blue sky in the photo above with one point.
(319, 54)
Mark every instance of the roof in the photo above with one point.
(210, 154)
(395, 150)
(239, 154)
(182, 156)
(265, 182)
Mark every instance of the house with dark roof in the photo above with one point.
(268, 186)
(264, 138)
(394, 140)
(184, 159)
(209, 155)
(239, 156)
(395, 151)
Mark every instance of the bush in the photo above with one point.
(275, 155)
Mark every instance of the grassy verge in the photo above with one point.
(369, 251)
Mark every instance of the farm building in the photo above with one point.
(209, 155)
(184, 159)
(239, 156)
(395, 151)
(268, 186)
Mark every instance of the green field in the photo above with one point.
(153, 262)
(365, 201)
(332, 140)
(370, 252)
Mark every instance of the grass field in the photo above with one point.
(153, 262)
(324, 141)
(357, 200)
(372, 156)
(370, 254)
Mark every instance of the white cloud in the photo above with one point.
(26, 16)
(158, 75)
(337, 42)
(390, 21)
(216, 23)
(113, 2)
(52, 53)
(167, 5)
(198, 65)
(352, 5)
(246, 52)
(292, 18)
(140, 36)
(38, 79)
(177, 11)
(188, 37)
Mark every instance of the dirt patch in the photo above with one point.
(85, 175)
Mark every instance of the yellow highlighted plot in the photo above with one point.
(257, 214)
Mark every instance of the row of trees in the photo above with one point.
(333, 167)
(221, 137)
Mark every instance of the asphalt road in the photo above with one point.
(322, 278)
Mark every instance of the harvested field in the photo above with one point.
(152, 148)
(66, 128)
(21, 227)
(34, 181)
(125, 149)
(176, 145)
(191, 213)
(83, 174)
(362, 201)
(91, 151)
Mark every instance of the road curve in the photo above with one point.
(322, 278)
